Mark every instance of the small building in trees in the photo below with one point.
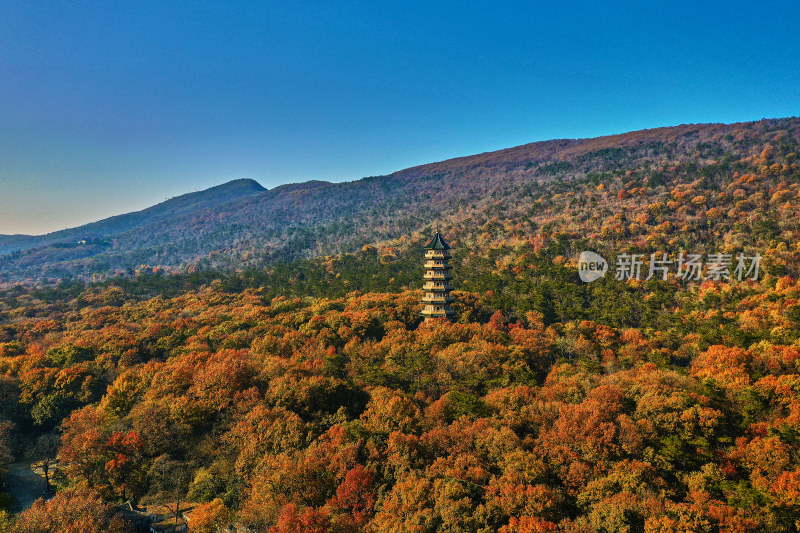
(436, 299)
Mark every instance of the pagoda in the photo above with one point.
(437, 299)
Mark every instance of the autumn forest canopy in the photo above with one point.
(261, 357)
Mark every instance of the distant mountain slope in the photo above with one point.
(617, 189)
(186, 203)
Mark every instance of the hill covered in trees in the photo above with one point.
(690, 185)
(286, 383)
(106, 229)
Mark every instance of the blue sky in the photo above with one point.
(108, 107)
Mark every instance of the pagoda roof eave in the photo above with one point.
(437, 243)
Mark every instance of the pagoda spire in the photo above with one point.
(436, 299)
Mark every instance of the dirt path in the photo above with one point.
(26, 485)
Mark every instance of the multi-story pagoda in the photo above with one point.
(436, 299)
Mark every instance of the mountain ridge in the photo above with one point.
(425, 166)
(318, 218)
(126, 221)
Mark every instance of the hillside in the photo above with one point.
(180, 205)
(686, 183)
(278, 388)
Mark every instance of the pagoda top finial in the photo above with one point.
(438, 242)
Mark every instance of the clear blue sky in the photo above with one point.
(108, 107)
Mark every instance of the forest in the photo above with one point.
(303, 393)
